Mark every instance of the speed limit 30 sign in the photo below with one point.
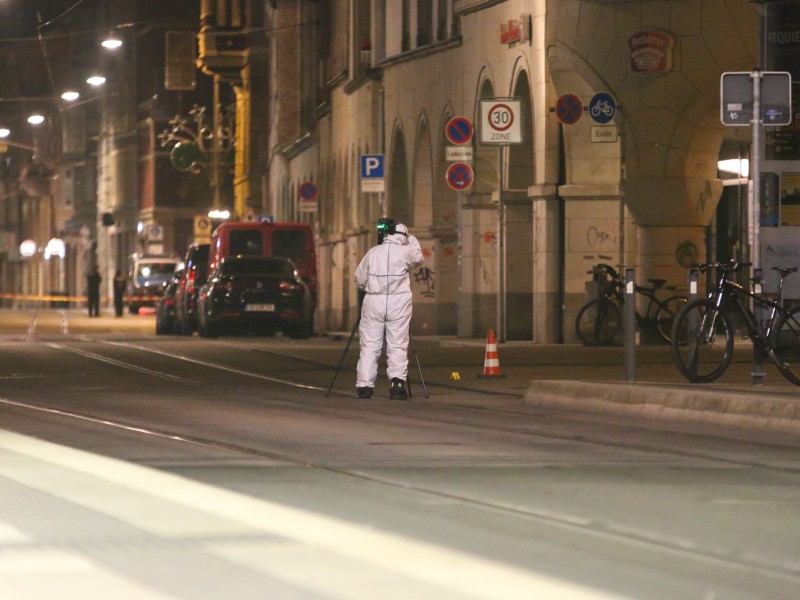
(501, 121)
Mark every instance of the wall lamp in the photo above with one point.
(219, 214)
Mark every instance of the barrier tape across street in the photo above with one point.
(65, 298)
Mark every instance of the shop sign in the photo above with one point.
(651, 52)
(516, 31)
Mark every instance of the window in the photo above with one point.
(289, 244)
(246, 243)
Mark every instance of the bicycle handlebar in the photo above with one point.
(608, 269)
(730, 266)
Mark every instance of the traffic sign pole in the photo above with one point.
(755, 198)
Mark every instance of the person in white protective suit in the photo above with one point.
(383, 276)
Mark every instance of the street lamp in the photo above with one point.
(112, 42)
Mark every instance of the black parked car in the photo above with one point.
(193, 278)
(165, 312)
(249, 293)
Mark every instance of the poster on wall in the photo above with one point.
(770, 200)
(782, 46)
(790, 199)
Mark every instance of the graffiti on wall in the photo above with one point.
(597, 236)
(425, 281)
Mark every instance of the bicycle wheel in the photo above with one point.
(702, 341)
(598, 322)
(785, 342)
(665, 315)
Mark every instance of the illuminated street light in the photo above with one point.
(36, 119)
(219, 214)
(4, 133)
(96, 80)
(112, 42)
(70, 96)
(738, 166)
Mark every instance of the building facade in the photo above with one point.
(630, 177)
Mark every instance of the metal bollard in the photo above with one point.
(693, 320)
(630, 326)
(758, 373)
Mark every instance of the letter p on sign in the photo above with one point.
(372, 166)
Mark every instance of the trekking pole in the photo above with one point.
(419, 367)
(341, 360)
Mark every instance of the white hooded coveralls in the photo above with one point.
(384, 275)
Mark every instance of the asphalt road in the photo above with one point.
(637, 509)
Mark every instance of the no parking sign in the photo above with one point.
(459, 176)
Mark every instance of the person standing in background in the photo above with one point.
(120, 284)
(93, 280)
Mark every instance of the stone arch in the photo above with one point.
(485, 163)
(520, 156)
(518, 224)
(445, 199)
(398, 201)
(423, 177)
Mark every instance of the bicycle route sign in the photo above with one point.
(569, 109)
(602, 108)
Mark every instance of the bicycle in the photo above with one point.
(599, 321)
(702, 335)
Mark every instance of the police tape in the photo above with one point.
(66, 298)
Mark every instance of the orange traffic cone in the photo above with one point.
(491, 364)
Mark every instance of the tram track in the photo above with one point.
(681, 548)
(456, 416)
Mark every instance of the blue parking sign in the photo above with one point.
(372, 166)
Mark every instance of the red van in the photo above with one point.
(289, 240)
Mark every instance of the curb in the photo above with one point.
(773, 412)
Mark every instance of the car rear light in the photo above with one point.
(190, 281)
(290, 287)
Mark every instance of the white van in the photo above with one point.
(148, 277)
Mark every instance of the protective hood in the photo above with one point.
(400, 235)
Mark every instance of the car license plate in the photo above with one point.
(259, 307)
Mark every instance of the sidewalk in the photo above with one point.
(595, 379)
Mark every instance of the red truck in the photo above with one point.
(294, 241)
